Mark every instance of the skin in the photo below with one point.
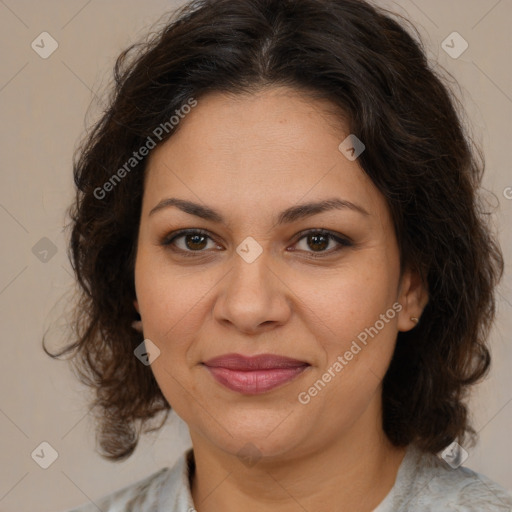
(249, 157)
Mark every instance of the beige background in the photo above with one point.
(43, 103)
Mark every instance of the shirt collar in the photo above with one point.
(176, 494)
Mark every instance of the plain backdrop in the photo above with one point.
(44, 112)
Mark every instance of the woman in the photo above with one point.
(278, 234)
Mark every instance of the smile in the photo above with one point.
(254, 375)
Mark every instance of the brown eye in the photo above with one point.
(189, 241)
(195, 242)
(316, 242)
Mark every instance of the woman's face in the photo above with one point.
(258, 280)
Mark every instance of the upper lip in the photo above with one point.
(258, 362)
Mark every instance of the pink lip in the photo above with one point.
(254, 375)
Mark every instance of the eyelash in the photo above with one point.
(342, 241)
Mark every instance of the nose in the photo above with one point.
(253, 298)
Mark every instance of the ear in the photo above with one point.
(137, 324)
(413, 296)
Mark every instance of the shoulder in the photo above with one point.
(464, 490)
(141, 496)
(166, 489)
(425, 482)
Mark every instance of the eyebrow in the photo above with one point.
(289, 215)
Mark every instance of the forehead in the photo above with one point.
(274, 146)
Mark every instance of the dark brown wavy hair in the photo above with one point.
(370, 64)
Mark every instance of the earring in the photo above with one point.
(414, 319)
(137, 325)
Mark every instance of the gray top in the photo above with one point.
(424, 483)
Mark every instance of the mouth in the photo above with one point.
(254, 375)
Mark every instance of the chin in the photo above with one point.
(257, 435)
(249, 448)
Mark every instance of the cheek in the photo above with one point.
(169, 306)
(172, 304)
(356, 313)
(350, 298)
(169, 298)
(358, 346)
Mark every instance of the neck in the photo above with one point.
(355, 472)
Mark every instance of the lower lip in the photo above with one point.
(254, 382)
